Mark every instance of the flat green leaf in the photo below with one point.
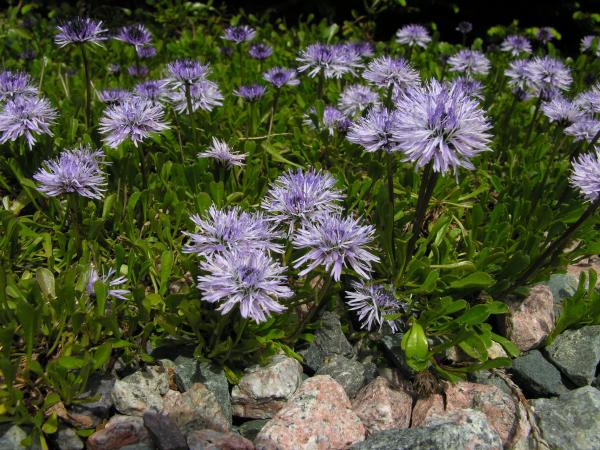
(166, 266)
(45, 280)
(476, 280)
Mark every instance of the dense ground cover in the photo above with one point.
(218, 185)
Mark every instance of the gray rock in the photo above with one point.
(251, 428)
(576, 353)
(329, 340)
(99, 389)
(118, 432)
(164, 431)
(371, 371)
(141, 391)
(536, 376)
(392, 345)
(195, 409)
(571, 421)
(215, 440)
(459, 430)
(138, 446)
(488, 378)
(67, 439)
(12, 437)
(562, 286)
(350, 374)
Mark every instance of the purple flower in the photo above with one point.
(372, 302)
(221, 151)
(138, 71)
(584, 129)
(297, 197)
(135, 118)
(335, 242)
(252, 280)
(333, 120)
(470, 86)
(355, 98)
(519, 76)
(251, 93)
(187, 71)
(114, 69)
(113, 95)
(332, 61)
(107, 279)
(591, 43)
(443, 124)
(260, 51)
(205, 95)
(239, 34)
(386, 72)
(226, 51)
(363, 49)
(589, 101)
(544, 35)
(548, 76)
(136, 35)
(469, 62)
(559, 109)
(75, 171)
(80, 30)
(26, 116)
(154, 90)
(375, 131)
(280, 76)
(15, 84)
(231, 229)
(146, 52)
(585, 175)
(413, 35)
(516, 44)
(464, 27)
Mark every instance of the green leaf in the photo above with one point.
(479, 313)
(510, 348)
(101, 355)
(415, 347)
(153, 301)
(166, 266)
(476, 280)
(45, 280)
(70, 362)
(101, 291)
(51, 424)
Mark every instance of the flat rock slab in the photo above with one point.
(119, 432)
(141, 391)
(577, 353)
(329, 340)
(536, 376)
(164, 431)
(349, 373)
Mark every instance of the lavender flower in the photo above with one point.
(221, 151)
(251, 93)
(26, 116)
(548, 76)
(333, 120)
(146, 52)
(252, 280)
(589, 101)
(413, 35)
(260, 51)
(297, 197)
(153, 90)
(375, 131)
(136, 35)
(15, 84)
(519, 75)
(205, 95)
(585, 175)
(135, 118)
(187, 71)
(470, 86)
(464, 27)
(591, 42)
(372, 302)
(231, 229)
(584, 129)
(331, 61)
(469, 62)
(239, 34)
(544, 35)
(93, 277)
(355, 98)
(335, 242)
(75, 171)
(363, 49)
(79, 31)
(516, 44)
(114, 69)
(559, 109)
(138, 71)
(387, 72)
(113, 95)
(280, 76)
(443, 124)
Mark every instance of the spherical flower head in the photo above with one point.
(372, 302)
(136, 35)
(108, 279)
(585, 175)
(251, 93)
(138, 71)
(559, 109)
(26, 116)
(387, 72)
(205, 95)
(15, 84)
(355, 98)
(584, 129)
(469, 62)
(470, 86)
(589, 101)
(146, 51)
(221, 151)
(335, 242)
(331, 61)
(239, 34)
(134, 118)
(375, 131)
(516, 44)
(443, 124)
(153, 90)
(80, 30)
(230, 229)
(251, 280)
(333, 120)
(591, 43)
(300, 196)
(187, 71)
(75, 171)
(519, 75)
(548, 76)
(464, 27)
(363, 49)
(260, 51)
(413, 35)
(113, 95)
(544, 35)
(280, 76)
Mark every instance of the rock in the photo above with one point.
(140, 391)
(496, 351)
(317, 416)
(350, 374)
(84, 420)
(371, 371)
(464, 429)
(263, 391)
(195, 409)
(576, 353)
(251, 428)
(67, 439)
(11, 438)
(329, 340)
(99, 389)
(489, 378)
(380, 407)
(119, 432)
(529, 321)
(164, 431)
(138, 446)
(536, 376)
(593, 262)
(424, 408)
(392, 345)
(214, 440)
(571, 421)
(562, 286)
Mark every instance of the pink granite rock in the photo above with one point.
(214, 440)
(119, 432)
(318, 416)
(381, 407)
(427, 407)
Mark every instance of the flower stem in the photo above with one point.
(188, 99)
(273, 108)
(241, 56)
(88, 88)
(390, 185)
(143, 166)
(533, 119)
